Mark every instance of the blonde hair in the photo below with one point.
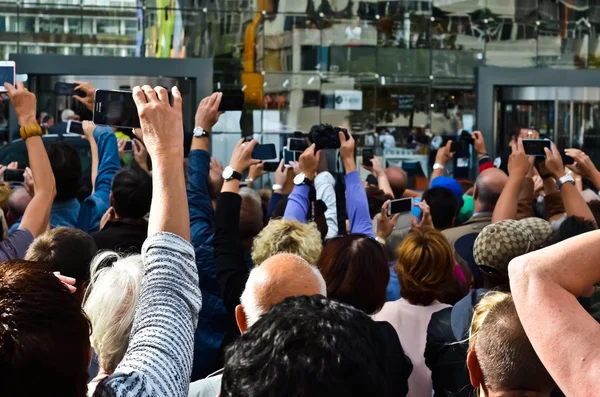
(504, 353)
(425, 265)
(110, 302)
(288, 236)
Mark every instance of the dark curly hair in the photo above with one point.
(307, 346)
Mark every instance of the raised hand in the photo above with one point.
(583, 164)
(347, 151)
(208, 113)
(426, 220)
(140, 154)
(308, 162)
(479, 143)
(90, 93)
(444, 155)
(386, 223)
(376, 168)
(518, 163)
(256, 171)
(281, 174)
(161, 124)
(554, 163)
(241, 158)
(24, 103)
(88, 129)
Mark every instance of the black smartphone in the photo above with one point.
(535, 147)
(455, 147)
(297, 144)
(14, 176)
(329, 138)
(264, 152)
(116, 109)
(231, 100)
(67, 89)
(129, 145)
(367, 156)
(400, 206)
(271, 166)
(567, 160)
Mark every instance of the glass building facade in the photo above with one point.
(400, 68)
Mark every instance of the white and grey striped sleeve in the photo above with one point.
(158, 361)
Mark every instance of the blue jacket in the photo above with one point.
(214, 321)
(87, 214)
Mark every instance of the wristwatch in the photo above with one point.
(301, 179)
(565, 179)
(200, 133)
(231, 174)
(438, 166)
(277, 187)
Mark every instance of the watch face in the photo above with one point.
(227, 172)
(199, 132)
(299, 179)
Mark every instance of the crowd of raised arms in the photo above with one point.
(172, 278)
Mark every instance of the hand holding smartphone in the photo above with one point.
(367, 156)
(7, 74)
(74, 127)
(535, 147)
(115, 108)
(231, 101)
(264, 152)
(13, 176)
(270, 166)
(400, 206)
(297, 145)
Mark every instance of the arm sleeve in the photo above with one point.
(275, 199)
(201, 211)
(358, 206)
(16, 245)
(485, 163)
(158, 361)
(325, 186)
(232, 270)
(297, 206)
(94, 207)
(525, 201)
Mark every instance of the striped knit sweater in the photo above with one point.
(158, 361)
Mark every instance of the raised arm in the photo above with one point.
(37, 215)
(442, 157)
(88, 133)
(298, 200)
(584, 166)
(159, 357)
(232, 269)
(545, 285)
(379, 172)
(198, 191)
(356, 197)
(518, 167)
(573, 201)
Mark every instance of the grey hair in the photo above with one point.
(110, 302)
(486, 196)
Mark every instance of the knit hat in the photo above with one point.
(450, 184)
(501, 242)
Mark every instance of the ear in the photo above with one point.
(474, 369)
(240, 318)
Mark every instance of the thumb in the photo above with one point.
(395, 218)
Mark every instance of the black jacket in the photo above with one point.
(447, 347)
(122, 236)
(397, 364)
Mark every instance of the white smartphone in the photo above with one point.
(7, 74)
(400, 206)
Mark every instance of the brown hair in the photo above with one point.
(504, 353)
(68, 251)
(355, 268)
(376, 198)
(425, 265)
(44, 334)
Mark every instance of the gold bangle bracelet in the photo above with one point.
(30, 130)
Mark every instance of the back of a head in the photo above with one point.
(44, 335)
(251, 216)
(355, 268)
(488, 186)
(443, 205)
(425, 265)
(18, 201)
(288, 236)
(279, 277)
(66, 115)
(501, 350)
(306, 346)
(572, 226)
(66, 166)
(132, 192)
(376, 198)
(110, 302)
(594, 206)
(397, 178)
(65, 250)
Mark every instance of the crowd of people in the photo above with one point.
(175, 277)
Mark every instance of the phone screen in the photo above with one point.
(367, 156)
(116, 109)
(232, 100)
(297, 145)
(129, 146)
(14, 176)
(67, 89)
(455, 147)
(271, 166)
(535, 147)
(289, 156)
(400, 206)
(75, 127)
(7, 75)
(264, 152)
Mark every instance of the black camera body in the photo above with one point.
(326, 136)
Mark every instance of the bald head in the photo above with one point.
(488, 187)
(279, 277)
(397, 178)
(18, 201)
